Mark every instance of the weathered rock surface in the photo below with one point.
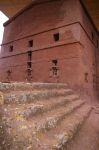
(38, 116)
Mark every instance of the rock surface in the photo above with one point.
(38, 116)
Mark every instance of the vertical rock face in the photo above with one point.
(44, 117)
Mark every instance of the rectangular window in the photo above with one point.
(55, 62)
(54, 67)
(11, 48)
(29, 64)
(56, 37)
(30, 43)
(29, 55)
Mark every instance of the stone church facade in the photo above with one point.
(51, 41)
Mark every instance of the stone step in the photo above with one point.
(31, 96)
(50, 119)
(86, 138)
(41, 116)
(7, 87)
(57, 138)
(44, 106)
(21, 129)
(31, 109)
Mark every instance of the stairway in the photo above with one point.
(41, 116)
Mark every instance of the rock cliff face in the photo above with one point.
(43, 116)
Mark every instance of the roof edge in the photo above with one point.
(46, 1)
(33, 3)
(89, 16)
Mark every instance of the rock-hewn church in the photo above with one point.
(51, 41)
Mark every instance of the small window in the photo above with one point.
(29, 64)
(30, 44)
(56, 37)
(86, 77)
(55, 62)
(11, 48)
(29, 55)
(9, 72)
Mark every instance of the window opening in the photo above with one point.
(11, 48)
(29, 55)
(30, 43)
(56, 37)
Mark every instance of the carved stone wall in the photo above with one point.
(54, 31)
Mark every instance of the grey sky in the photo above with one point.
(3, 19)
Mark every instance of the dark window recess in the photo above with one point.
(86, 77)
(30, 44)
(11, 48)
(29, 75)
(9, 75)
(55, 67)
(29, 64)
(29, 72)
(29, 55)
(9, 72)
(56, 37)
(55, 71)
(55, 62)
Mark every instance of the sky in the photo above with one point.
(3, 19)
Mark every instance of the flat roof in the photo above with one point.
(38, 2)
